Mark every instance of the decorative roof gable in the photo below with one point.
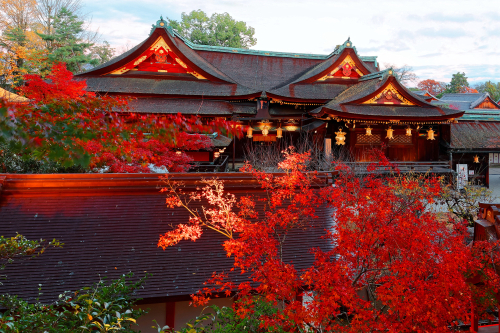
(159, 58)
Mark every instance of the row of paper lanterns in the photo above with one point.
(340, 135)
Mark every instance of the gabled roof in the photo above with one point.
(243, 71)
(468, 101)
(380, 96)
(425, 95)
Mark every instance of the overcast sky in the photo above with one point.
(437, 38)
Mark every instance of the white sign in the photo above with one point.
(495, 158)
(462, 176)
(471, 172)
(490, 160)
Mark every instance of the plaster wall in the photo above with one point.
(156, 312)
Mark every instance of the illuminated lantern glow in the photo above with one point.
(279, 133)
(390, 133)
(249, 132)
(369, 131)
(430, 134)
(340, 138)
(476, 159)
(178, 153)
(408, 131)
(216, 154)
(265, 131)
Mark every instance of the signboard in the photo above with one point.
(490, 159)
(471, 172)
(495, 158)
(462, 176)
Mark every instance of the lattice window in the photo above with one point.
(363, 139)
(401, 140)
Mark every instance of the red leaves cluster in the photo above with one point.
(392, 266)
(432, 86)
(66, 123)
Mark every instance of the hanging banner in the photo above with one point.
(490, 158)
(462, 176)
(495, 158)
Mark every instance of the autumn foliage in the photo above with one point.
(432, 86)
(63, 122)
(391, 266)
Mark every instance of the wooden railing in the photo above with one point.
(403, 167)
(219, 165)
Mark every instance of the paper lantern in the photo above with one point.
(265, 131)
(249, 132)
(430, 134)
(408, 131)
(216, 154)
(476, 159)
(279, 133)
(340, 138)
(369, 131)
(390, 133)
(178, 153)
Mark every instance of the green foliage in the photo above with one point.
(16, 247)
(217, 30)
(226, 320)
(101, 308)
(491, 88)
(102, 53)
(65, 43)
(15, 158)
(458, 84)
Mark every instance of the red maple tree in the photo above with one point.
(392, 267)
(66, 123)
(432, 86)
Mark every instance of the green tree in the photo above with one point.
(491, 88)
(65, 43)
(458, 84)
(217, 30)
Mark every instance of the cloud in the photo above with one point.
(440, 17)
(430, 55)
(444, 32)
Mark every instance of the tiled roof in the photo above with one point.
(190, 106)
(110, 225)
(257, 71)
(464, 102)
(475, 135)
(128, 85)
(388, 111)
(319, 91)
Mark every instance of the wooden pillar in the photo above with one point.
(170, 314)
(474, 325)
(234, 149)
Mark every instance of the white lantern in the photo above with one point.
(216, 154)
(430, 134)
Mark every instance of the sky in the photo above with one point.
(437, 38)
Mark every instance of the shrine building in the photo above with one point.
(343, 100)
